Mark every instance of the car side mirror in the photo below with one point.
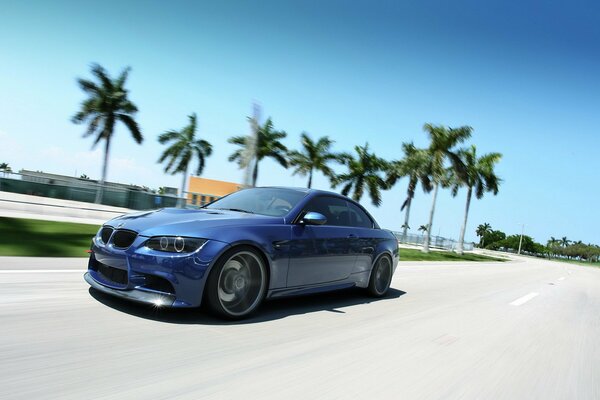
(313, 218)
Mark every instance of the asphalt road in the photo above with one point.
(527, 329)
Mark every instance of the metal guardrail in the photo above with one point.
(434, 241)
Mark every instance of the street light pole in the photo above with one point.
(521, 239)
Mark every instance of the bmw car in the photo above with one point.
(252, 245)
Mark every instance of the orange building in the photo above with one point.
(202, 191)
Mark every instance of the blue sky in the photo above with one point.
(524, 75)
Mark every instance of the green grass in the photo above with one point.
(417, 255)
(35, 238)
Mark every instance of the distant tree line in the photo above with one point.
(554, 248)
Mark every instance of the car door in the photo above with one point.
(365, 243)
(321, 253)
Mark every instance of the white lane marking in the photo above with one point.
(562, 278)
(524, 299)
(39, 271)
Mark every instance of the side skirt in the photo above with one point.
(302, 290)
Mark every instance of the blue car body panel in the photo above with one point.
(300, 258)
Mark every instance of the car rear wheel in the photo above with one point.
(237, 284)
(381, 277)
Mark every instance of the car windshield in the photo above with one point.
(266, 201)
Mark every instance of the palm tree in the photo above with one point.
(423, 229)
(413, 165)
(313, 156)
(5, 168)
(552, 245)
(481, 231)
(267, 145)
(107, 103)
(441, 149)
(183, 148)
(564, 241)
(363, 172)
(479, 175)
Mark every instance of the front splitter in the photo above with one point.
(137, 295)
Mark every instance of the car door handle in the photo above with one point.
(352, 236)
(280, 243)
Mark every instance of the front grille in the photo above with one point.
(111, 274)
(122, 239)
(105, 233)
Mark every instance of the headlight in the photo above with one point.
(174, 244)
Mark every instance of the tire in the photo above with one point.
(237, 284)
(381, 277)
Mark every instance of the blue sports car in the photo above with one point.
(250, 245)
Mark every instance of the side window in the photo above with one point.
(358, 217)
(333, 208)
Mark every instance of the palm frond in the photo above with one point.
(205, 147)
(93, 125)
(168, 136)
(88, 86)
(133, 127)
(239, 140)
(184, 160)
(120, 82)
(374, 191)
(201, 161)
(99, 72)
(235, 156)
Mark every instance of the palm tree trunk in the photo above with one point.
(255, 173)
(310, 178)
(428, 231)
(461, 239)
(182, 196)
(406, 217)
(100, 191)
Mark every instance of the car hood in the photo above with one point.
(182, 222)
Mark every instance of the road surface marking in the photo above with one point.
(39, 271)
(524, 299)
(562, 278)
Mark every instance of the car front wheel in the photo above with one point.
(237, 284)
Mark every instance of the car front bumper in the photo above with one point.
(152, 277)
